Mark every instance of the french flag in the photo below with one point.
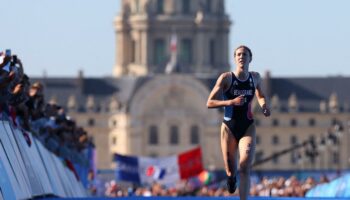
(164, 170)
(173, 43)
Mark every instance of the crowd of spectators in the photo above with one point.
(275, 187)
(282, 187)
(22, 103)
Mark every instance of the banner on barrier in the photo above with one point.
(19, 178)
(28, 157)
(28, 169)
(5, 183)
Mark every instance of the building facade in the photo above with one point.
(146, 110)
(144, 29)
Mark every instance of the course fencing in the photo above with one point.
(29, 170)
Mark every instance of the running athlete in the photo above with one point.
(235, 91)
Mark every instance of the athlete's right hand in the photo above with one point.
(238, 101)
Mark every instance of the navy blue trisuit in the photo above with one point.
(239, 118)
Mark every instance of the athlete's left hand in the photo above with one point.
(266, 110)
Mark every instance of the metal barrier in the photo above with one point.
(29, 170)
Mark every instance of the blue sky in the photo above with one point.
(290, 38)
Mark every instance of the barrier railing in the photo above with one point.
(29, 170)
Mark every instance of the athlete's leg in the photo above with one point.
(246, 148)
(229, 148)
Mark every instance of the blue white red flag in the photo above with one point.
(173, 43)
(163, 170)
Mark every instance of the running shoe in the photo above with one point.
(231, 184)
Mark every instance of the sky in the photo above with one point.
(290, 38)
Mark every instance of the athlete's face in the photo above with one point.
(242, 58)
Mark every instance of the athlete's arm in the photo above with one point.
(260, 95)
(216, 99)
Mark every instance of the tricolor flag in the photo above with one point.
(173, 43)
(169, 68)
(164, 170)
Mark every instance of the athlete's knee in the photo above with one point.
(244, 167)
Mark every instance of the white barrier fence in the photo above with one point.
(29, 171)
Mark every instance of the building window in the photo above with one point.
(275, 159)
(186, 6)
(133, 51)
(312, 122)
(153, 135)
(174, 135)
(153, 155)
(82, 109)
(91, 122)
(259, 156)
(312, 138)
(336, 156)
(194, 135)
(293, 122)
(186, 51)
(294, 157)
(160, 6)
(113, 123)
(98, 109)
(114, 140)
(275, 122)
(334, 121)
(208, 6)
(275, 139)
(293, 140)
(159, 51)
(212, 52)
